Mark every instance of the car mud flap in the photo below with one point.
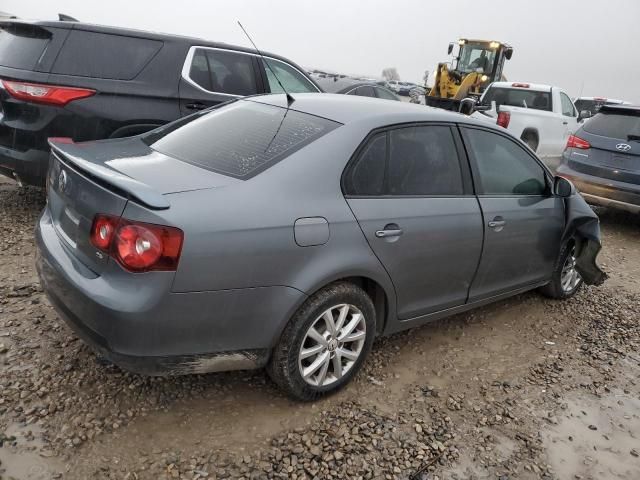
(583, 225)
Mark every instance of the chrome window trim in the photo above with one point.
(186, 67)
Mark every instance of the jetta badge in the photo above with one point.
(623, 147)
(62, 181)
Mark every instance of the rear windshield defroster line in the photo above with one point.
(241, 139)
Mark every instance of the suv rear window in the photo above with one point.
(102, 55)
(239, 139)
(21, 46)
(518, 98)
(614, 125)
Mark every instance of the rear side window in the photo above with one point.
(614, 125)
(420, 161)
(240, 139)
(365, 91)
(366, 175)
(21, 46)
(518, 98)
(102, 55)
(386, 94)
(503, 167)
(423, 161)
(291, 79)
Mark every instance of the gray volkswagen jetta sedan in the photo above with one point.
(290, 232)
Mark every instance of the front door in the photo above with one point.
(413, 200)
(523, 220)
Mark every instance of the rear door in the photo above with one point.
(413, 199)
(211, 76)
(523, 221)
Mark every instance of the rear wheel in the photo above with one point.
(566, 280)
(325, 343)
(531, 139)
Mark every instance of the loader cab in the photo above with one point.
(482, 56)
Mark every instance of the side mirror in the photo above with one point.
(563, 187)
(508, 53)
(467, 106)
(450, 49)
(584, 114)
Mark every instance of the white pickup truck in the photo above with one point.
(542, 116)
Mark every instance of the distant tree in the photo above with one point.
(390, 74)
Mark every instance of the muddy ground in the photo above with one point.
(526, 388)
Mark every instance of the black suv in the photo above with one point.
(88, 82)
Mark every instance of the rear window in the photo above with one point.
(102, 55)
(240, 139)
(518, 98)
(21, 46)
(614, 125)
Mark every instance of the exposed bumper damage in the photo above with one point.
(584, 226)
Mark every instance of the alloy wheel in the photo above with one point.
(570, 278)
(332, 345)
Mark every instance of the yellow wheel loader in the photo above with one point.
(478, 63)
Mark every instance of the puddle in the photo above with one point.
(27, 457)
(595, 436)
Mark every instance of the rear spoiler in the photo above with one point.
(109, 178)
(621, 109)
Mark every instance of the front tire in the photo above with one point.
(325, 343)
(566, 280)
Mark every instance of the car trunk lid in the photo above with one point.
(93, 178)
(614, 147)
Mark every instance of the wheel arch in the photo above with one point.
(531, 132)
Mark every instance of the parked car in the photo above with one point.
(349, 86)
(88, 82)
(542, 116)
(603, 158)
(589, 106)
(401, 88)
(256, 234)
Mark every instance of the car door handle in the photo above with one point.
(497, 223)
(565, 123)
(195, 106)
(389, 233)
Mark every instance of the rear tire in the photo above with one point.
(566, 280)
(325, 343)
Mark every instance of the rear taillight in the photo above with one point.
(503, 119)
(47, 94)
(577, 142)
(137, 246)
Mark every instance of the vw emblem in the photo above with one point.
(62, 181)
(623, 147)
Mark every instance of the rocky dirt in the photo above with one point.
(526, 388)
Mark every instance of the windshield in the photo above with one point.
(474, 56)
(241, 139)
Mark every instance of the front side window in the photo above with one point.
(240, 139)
(411, 161)
(365, 91)
(291, 79)
(221, 71)
(568, 109)
(503, 166)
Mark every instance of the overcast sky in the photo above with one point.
(588, 47)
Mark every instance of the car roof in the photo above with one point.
(537, 87)
(352, 108)
(343, 85)
(601, 99)
(131, 32)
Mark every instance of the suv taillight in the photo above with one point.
(137, 246)
(47, 94)
(503, 119)
(577, 142)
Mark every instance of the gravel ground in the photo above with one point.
(526, 388)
